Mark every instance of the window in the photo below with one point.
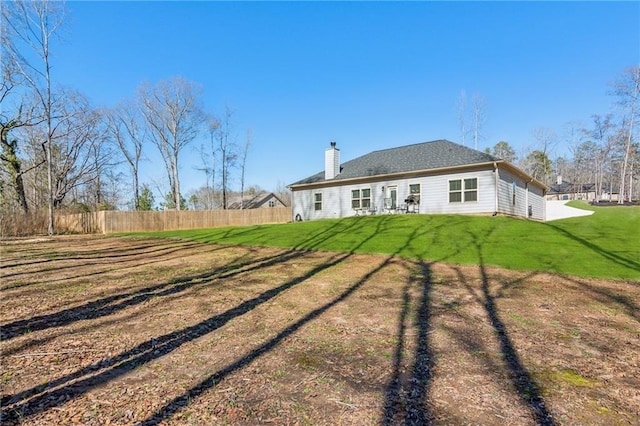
(361, 198)
(455, 191)
(272, 203)
(513, 192)
(317, 201)
(471, 190)
(366, 198)
(463, 190)
(355, 199)
(414, 189)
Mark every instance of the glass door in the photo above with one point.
(392, 195)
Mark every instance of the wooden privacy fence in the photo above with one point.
(107, 222)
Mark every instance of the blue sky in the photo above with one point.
(369, 75)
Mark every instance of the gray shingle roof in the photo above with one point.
(570, 188)
(253, 203)
(421, 156)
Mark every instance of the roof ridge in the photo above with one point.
(413, 144)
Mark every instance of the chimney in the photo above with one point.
(331, 162)
(559, 180)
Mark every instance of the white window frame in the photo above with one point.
(317, 201)
(359, 200)
(464, 191)
(413, 192)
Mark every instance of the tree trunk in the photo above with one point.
(136, 191)
(176, 182)
(10, 157)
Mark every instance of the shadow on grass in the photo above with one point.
(57, 392)
(406, 396)
(181, 401)
(527, 388)
(85, 379)
(630, 305)
(170, 408)
(92, 257)
(120, 266)
(112, 304)
(632, 264)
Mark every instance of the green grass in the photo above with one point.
(605, 244)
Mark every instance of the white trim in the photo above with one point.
(463, 189)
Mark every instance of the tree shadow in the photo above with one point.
(406, 395)
(527, 388)
(112, 304)
(181, 401)
(631, 306)
(607, 254)
(83, 380)
(97, 271)
(92, 257)
(58, 391)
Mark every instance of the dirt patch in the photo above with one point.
(99, 330)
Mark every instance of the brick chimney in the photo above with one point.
(331, 162)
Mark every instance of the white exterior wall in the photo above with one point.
(526, 195)
(434, 196)
(537, 202)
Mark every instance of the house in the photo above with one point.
(438, 177)
(256, 201)
(563, 190)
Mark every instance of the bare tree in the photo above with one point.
(478, 117)
(125, 128)
(77, 156)
(545, 141)
(601, 136)
(283, 193)
(31, 25)
(243, 165)
(227, 150)
(627, 89)
(207, 195)
(173, 113)
(104, 162)
(12, 119)
(479, 108)
(462, 116)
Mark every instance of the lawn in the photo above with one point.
(605, 244)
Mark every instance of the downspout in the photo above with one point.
(527, 213)
(526, 199)
(497, 181)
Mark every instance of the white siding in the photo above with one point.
(526, 195)
(435, 190)
(434, 196)
(506, 202)
(537, 202)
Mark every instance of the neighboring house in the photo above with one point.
(563, 190)
(436, 177)
(257, 201)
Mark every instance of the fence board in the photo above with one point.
(107, 222)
